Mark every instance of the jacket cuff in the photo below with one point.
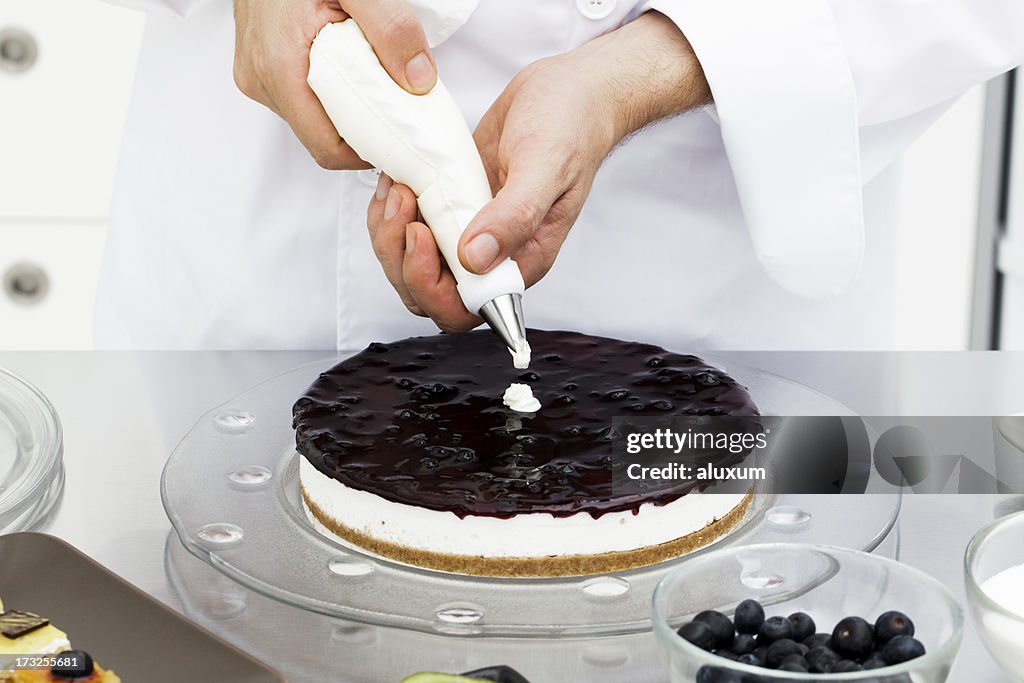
(785, 100)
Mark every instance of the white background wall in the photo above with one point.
(60, 126)
(938, 213)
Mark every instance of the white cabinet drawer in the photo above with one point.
(66, 70)
(48, 278)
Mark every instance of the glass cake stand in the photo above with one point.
(31, 454)
(231, 492)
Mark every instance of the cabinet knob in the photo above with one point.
(26, 284)
(18, 50)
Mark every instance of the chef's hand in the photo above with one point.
(272, 42)
(542, 143)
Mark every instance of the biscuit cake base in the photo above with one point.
(371, 531)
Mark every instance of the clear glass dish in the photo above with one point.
(31, 454)
(826, 582)
(231, 492)
(996, 548)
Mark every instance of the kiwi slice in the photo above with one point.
(434, 677)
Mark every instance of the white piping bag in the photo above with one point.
(421, 141)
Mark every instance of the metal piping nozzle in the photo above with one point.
(504, 314)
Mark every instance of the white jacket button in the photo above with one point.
(595, 9)
(18, 50)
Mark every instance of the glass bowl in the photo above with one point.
(827, 583)
(994, 549)
(31, 454)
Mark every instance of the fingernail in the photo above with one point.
(410, 238)
(393, 204)
(384, 184)
(481, 252)
(419, 71)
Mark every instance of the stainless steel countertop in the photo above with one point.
(123, 413)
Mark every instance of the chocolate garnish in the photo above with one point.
(15, 623)
(421, 421)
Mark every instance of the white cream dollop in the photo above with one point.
(521, 358)
(520, 398)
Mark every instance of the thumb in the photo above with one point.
(509, 220)
(396, 34)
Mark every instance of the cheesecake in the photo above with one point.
(407, 451)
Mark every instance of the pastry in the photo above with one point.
(24, 634)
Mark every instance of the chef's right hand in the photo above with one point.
(272, 43)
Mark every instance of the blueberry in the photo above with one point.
(708, 674)
(902, 649)
(845, 666)
(775, 628)
(74, 664)
(803, 626)
(698, 633)
(780, 649)
(818, 640)
(762, 653)
(750, 659)
(716, 674)
(822, 660)
(892, 624)
(793, 666)
(744, 643)
(853, 638)
(720, 625)
(875, 661)
(749, 616)
(795, 659)
(727, 654)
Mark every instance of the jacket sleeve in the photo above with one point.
(816, 97)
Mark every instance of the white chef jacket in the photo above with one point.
(764, 221)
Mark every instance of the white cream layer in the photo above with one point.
(526, 535)
(59, 644)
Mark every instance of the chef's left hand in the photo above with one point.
(542, 143)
